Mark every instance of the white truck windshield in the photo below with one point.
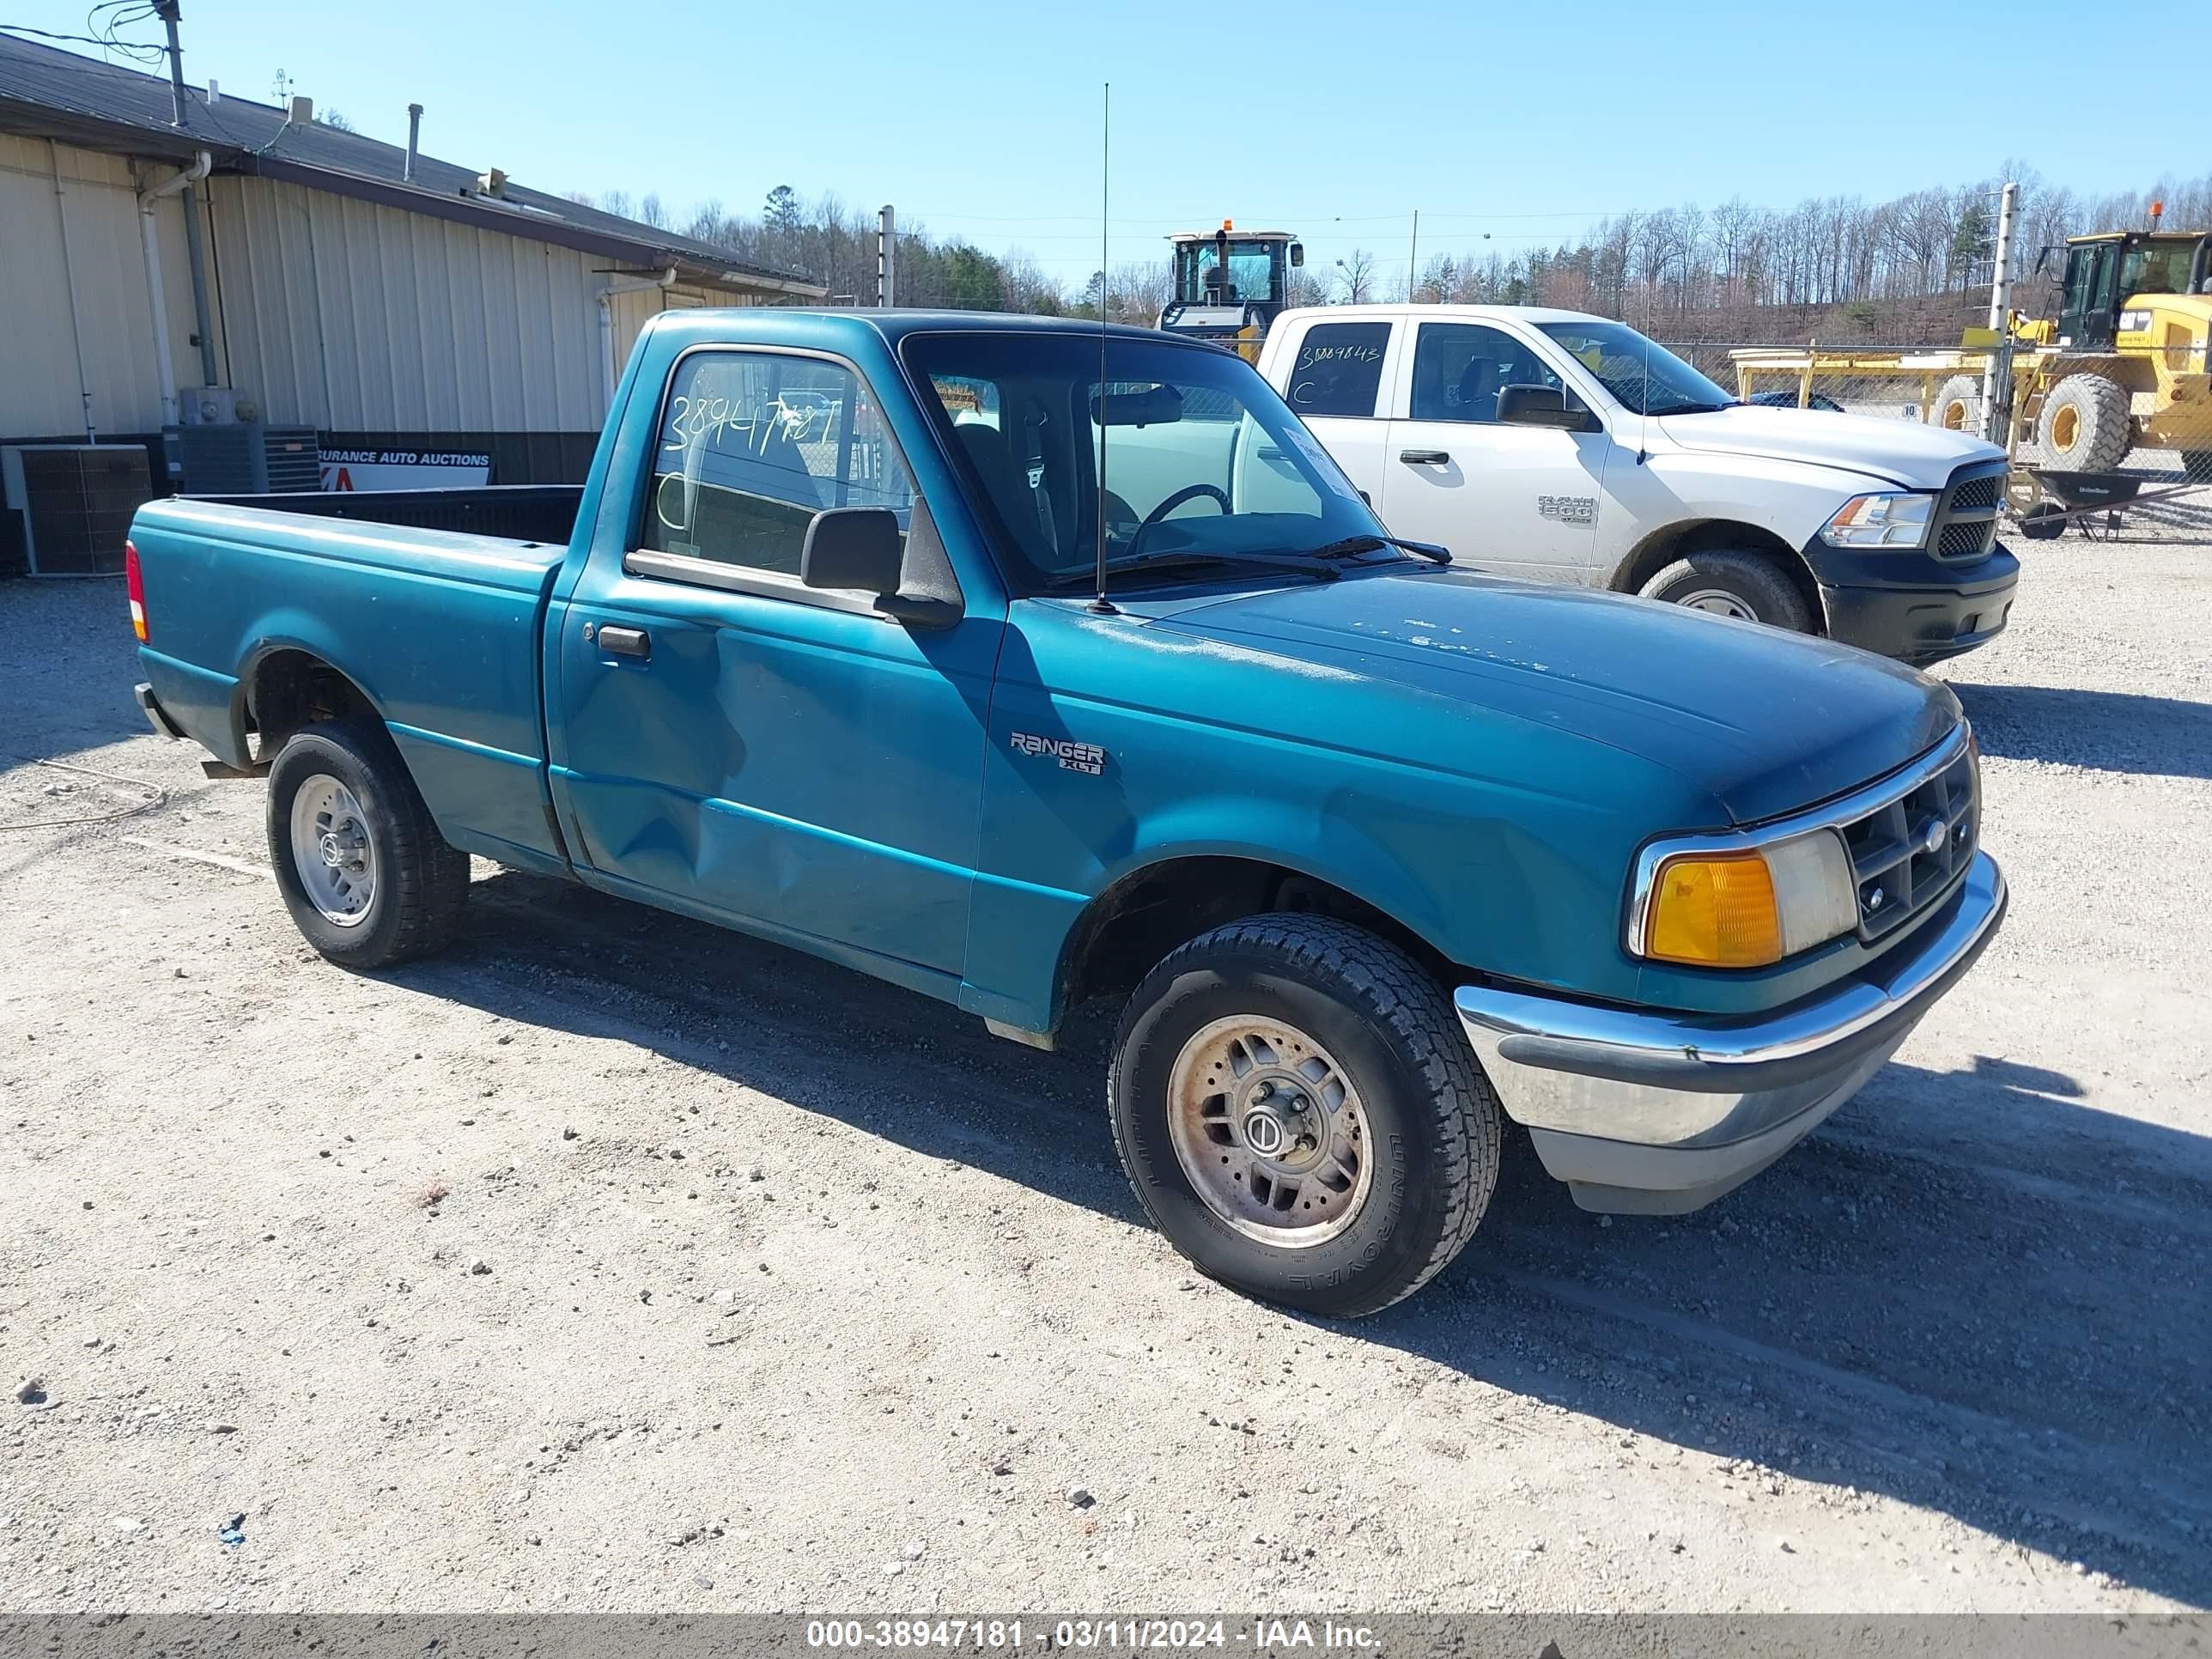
(1644, 378)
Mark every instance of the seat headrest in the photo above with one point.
(1478, 381)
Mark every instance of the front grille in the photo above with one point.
(1966, 510)
(1900, 862)
(1966, 540)
(1977, 494)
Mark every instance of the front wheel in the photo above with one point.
(1744, 585)
(1300, 1113)
(369, 879)
(2084, 425)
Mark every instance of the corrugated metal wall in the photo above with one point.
(331, 311)
(41, 393)
(349, 315)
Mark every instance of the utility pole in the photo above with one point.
(1996, 374)
(886, 256)
(1413, 258)
(171, 12)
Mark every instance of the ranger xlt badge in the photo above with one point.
(1085, 757)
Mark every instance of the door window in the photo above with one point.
(753, 445)
(1338, 369)
(1459, 369)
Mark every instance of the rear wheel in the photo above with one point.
(369, 879)
(2083, 426)
(1300, 1113)
(1958, 405)
(1745, 585)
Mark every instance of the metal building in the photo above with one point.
(390, 304)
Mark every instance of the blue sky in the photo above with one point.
(980, 119)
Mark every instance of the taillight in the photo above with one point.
(134, 583)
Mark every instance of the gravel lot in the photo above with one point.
(612, 1262)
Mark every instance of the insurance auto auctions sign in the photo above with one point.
(403, 468)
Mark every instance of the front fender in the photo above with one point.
(1789, 501)
(1501, 842)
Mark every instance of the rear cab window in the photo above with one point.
(1337, 370)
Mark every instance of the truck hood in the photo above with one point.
(1765, 721)
(1896, 451)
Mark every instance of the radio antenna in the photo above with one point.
(1102, 605)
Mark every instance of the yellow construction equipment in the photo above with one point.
(2124, 365)
(1231, 285)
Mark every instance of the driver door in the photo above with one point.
(1519, 500)
(734, 744)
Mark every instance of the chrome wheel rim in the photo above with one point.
(332, 850)
(1718, 602)
(1270, 1132)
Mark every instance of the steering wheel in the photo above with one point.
(1188, 493)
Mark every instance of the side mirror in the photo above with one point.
(1298, 254)
(1542, 405)
(856, 548)
(2042, 258)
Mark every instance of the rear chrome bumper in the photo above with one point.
(1658, 1114)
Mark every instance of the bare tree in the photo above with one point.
(1900, 271)
(1356, 277)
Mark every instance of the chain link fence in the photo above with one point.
(2113, 444)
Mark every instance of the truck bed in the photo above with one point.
(438, 627)
(542, 514)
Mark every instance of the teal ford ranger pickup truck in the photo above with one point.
(1370, 849)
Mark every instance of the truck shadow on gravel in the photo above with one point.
(1969, 1292)
(2105, 730)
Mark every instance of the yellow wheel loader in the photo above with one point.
(1228, 286)
(2124, 365)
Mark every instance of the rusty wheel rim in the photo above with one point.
(1270, 1131)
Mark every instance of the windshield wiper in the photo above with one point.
(1351, 544)
(1303, 563)
(1696, 409)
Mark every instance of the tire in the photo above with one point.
(2084, 426)
(1747, 586)
(399, 886)
(1958, 405)
(1377, 1025)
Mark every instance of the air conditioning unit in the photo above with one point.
(75, 502)
(215, 406)
(243, 459)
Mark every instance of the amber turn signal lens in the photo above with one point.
(1714, 912)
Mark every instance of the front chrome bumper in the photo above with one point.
(1656, 1113)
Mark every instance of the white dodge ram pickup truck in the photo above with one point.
(1559, 446)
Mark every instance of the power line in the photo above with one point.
(144, 51)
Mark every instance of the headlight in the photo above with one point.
(1881, 520)
(1745, 907)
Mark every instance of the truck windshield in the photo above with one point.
(1202, 458)
(2157, 268)
(1643, 378)
(1250, 272)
